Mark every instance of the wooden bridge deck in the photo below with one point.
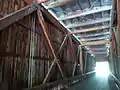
(96, 83)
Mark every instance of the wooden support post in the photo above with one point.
(85, 62)
(118, 14)
(73, 53)
(118, 24)
(81, 58)
(116, 40)
(74, 68)
(111, 60)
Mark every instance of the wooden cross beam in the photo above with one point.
(97, 49)
(88, 12)
(89, 22)
(96, 43)
(90, 29)
(92, 35)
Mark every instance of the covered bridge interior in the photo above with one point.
(56, 44)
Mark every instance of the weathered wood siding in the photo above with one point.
(9, 6)
(15, 42)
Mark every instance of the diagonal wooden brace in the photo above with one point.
(62, 44)
(42, 23)
(52, 67)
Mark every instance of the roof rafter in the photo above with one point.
(89, 22)
(94, 10)
(90, 29)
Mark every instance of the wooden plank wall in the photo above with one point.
(15, 54)
(114, 57)
(89, 62)
(15, 46)
(8, 6)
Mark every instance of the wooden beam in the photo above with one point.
(92, 35)
(15, 16)
(99, 52)
(91, 11)
(89, 22)
(118, 26)
(94, 38)
(96, 43)
(81, 58)
(61, 82)
(90, 29)
(52, 67)
(62, 44)
(59, 3)
(74, 69)
(113, 16)
(73, 53)
(97, 49)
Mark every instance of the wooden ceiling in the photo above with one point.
(88, 20)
